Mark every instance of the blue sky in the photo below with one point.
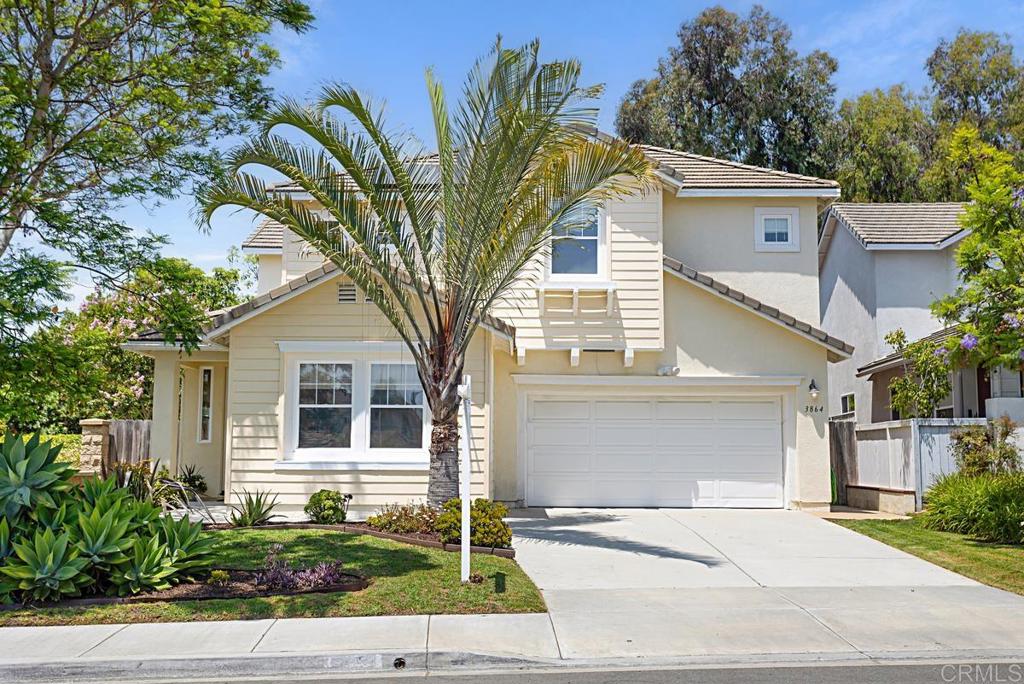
(383, 47)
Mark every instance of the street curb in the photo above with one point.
(300, 665)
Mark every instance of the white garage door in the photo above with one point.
(654, 451)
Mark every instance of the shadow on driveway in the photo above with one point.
(571, 530)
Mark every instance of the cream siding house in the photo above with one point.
(667, 355)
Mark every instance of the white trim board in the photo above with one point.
(759, 192)
(658, 381)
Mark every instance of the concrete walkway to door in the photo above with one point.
(657, 582)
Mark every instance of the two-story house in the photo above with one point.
(882, 266)
(668, 355)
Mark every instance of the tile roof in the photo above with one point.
(699, 172)
(268, 235)
(837, 348)
(896, 359)
(221, 318)
(924, 223)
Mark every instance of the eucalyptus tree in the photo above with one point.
(436, 240)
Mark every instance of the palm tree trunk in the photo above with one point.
(444, 462)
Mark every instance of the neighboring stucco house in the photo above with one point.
(882, 266)
(664, 357)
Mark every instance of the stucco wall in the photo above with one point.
(716, 236)
(847, 292)
(704, 336)
(256, 403)
(207, 457)
(907, 282)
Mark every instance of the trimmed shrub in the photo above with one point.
(982, 449)
(486, 523)
(404, 519)
(989, 507)
(327, 507)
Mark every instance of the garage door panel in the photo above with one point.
(658, 451)
(560, 461)
(749, 436)
(702, 410)
(628, 435)
(617, 460)
(685, 436)
(544, 410)
(623, 410)
(560, 434)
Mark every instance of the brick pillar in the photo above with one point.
(95, 445)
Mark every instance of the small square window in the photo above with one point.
(847, 403)
(575, 244)
(777, 229)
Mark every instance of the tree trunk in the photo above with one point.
(444, 462)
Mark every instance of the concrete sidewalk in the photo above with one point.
(746, 629)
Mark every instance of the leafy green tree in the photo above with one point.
(734, 88)
(926, 380)
(76, 369)
(434, 245)
(882, 144)
(989, 306)
(107, 100)
(977, 80)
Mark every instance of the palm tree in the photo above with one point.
(435, 240)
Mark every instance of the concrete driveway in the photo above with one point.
(669, 582)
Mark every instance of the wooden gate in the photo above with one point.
(129, 441)
(842, 447)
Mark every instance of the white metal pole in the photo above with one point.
(465, 392)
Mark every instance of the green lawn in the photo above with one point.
(998, 565)
(406, 580)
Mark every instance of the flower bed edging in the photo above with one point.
(354, 583)
(359, 529)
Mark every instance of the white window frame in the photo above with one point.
(298, 405)
(842, 408)
(603, 229)
(199, 410)
(359, 455)
(791, 214)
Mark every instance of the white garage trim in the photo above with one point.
(659, 381)
(563, 386)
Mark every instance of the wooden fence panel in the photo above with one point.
(129, 441)
(842, 446)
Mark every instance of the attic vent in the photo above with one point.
(346, 293)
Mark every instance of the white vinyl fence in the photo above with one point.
(905, 455)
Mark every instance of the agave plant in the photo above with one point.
(47, 567)
(148, 568)
(190, 550)
(30, 475)
(435, 245)
(102, 538)
(253, 509)
(55, 518)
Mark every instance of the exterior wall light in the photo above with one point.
(813, 389)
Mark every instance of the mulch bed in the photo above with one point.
(240, 585)
(415, 538)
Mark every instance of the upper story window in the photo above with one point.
(777, 229)
(847, 403)
(577, 249)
